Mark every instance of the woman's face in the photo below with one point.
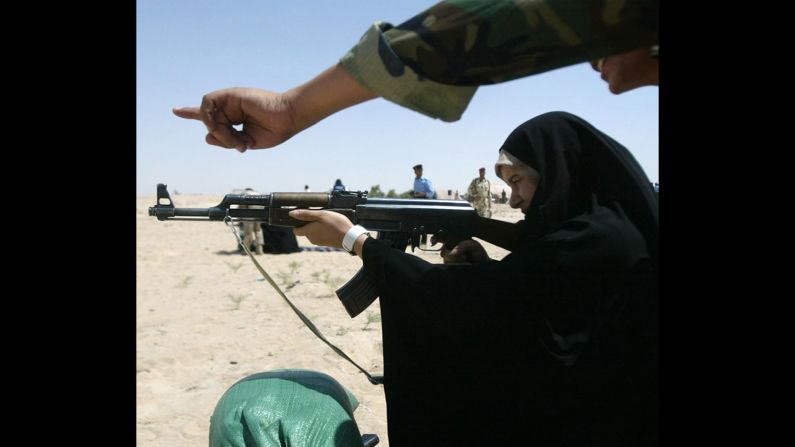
(523, 186)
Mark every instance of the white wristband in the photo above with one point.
(351, 236)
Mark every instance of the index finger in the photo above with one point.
(191, 113)
(307, 215)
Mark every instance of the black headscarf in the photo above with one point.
(579, 164)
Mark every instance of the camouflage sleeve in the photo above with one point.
(373, 64)
(433, 62)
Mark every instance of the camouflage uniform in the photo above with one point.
(434, 62)
(480, 193)
(252, 231)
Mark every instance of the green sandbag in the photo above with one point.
(287, 407)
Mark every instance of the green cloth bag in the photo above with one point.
(286, 407)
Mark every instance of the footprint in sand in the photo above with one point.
(193, 428)
(145, 435)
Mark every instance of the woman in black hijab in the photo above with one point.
(553, 345)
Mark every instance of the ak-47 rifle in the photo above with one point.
(400, 221)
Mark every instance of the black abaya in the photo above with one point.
(553, 345)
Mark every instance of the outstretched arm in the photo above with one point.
(328, 228)
(269, 118)
(421, 64)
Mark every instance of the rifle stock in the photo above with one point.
(401, 221)
(498, 232)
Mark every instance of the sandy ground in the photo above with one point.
(205, 319)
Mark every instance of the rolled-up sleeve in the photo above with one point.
(373, 64)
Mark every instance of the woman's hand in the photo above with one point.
(465, 252)
(325, 228)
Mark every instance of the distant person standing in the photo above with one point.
(423, 188)
(480, 193)
(252, 232)
(338, 186)
(306, 188)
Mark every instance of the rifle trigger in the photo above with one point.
(414, 238)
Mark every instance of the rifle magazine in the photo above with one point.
(358, 293)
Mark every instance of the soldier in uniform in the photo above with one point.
(434, 62)
(480, 193)
(252, 232)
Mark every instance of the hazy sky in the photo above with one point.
(188, 48)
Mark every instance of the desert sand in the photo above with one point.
(206, 319)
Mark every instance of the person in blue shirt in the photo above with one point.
(338, 186)
(423, 188)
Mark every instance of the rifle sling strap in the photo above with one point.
(377, 380)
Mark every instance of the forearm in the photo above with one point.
(431, 290)
(329, 92)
